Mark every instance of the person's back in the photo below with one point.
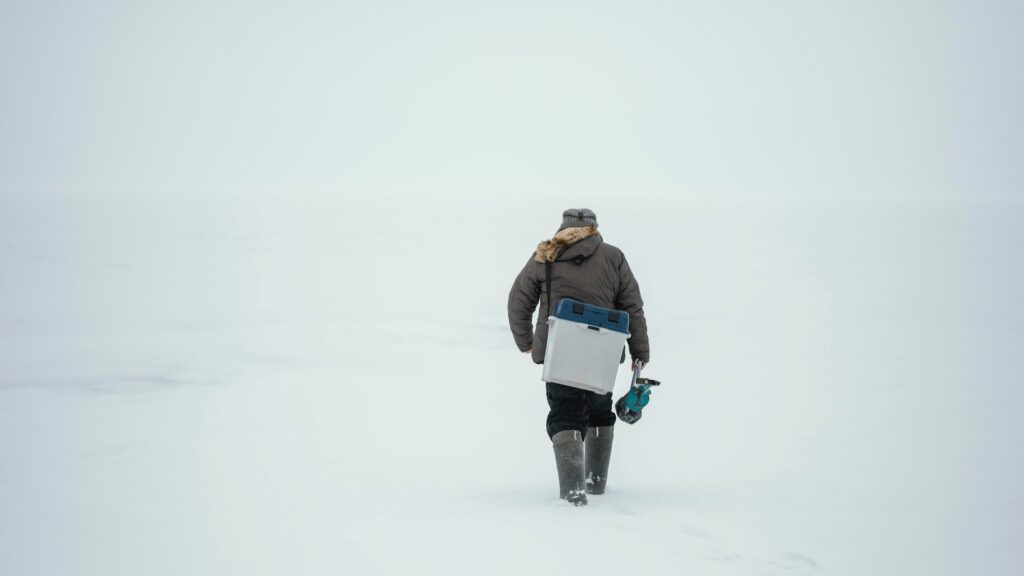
(581, 266)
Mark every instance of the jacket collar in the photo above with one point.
(570, 242)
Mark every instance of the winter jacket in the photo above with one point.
(584, 268)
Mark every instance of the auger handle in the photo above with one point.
(636, 372)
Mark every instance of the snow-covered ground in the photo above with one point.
(254, 261)
(282, 387)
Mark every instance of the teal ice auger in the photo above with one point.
(630, 407)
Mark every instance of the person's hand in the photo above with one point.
(632, 365)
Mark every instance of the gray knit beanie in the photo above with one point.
(578, 218)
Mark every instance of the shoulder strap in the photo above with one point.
(547, 282)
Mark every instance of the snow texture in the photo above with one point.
(254, 262)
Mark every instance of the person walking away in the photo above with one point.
(583, 267)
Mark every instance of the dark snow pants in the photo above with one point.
(576, 409)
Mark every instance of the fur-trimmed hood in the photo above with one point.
(548, 250)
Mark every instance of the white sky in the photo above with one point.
(916, 100)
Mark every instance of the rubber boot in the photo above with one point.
(599, 453)
(568, 446)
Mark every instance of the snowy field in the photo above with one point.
(277, 389)
(254, 262)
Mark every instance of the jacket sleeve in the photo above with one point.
(628, 299)
(522, 301)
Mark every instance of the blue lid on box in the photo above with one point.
(576, 311)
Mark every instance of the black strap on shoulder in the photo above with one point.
(547, 282)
